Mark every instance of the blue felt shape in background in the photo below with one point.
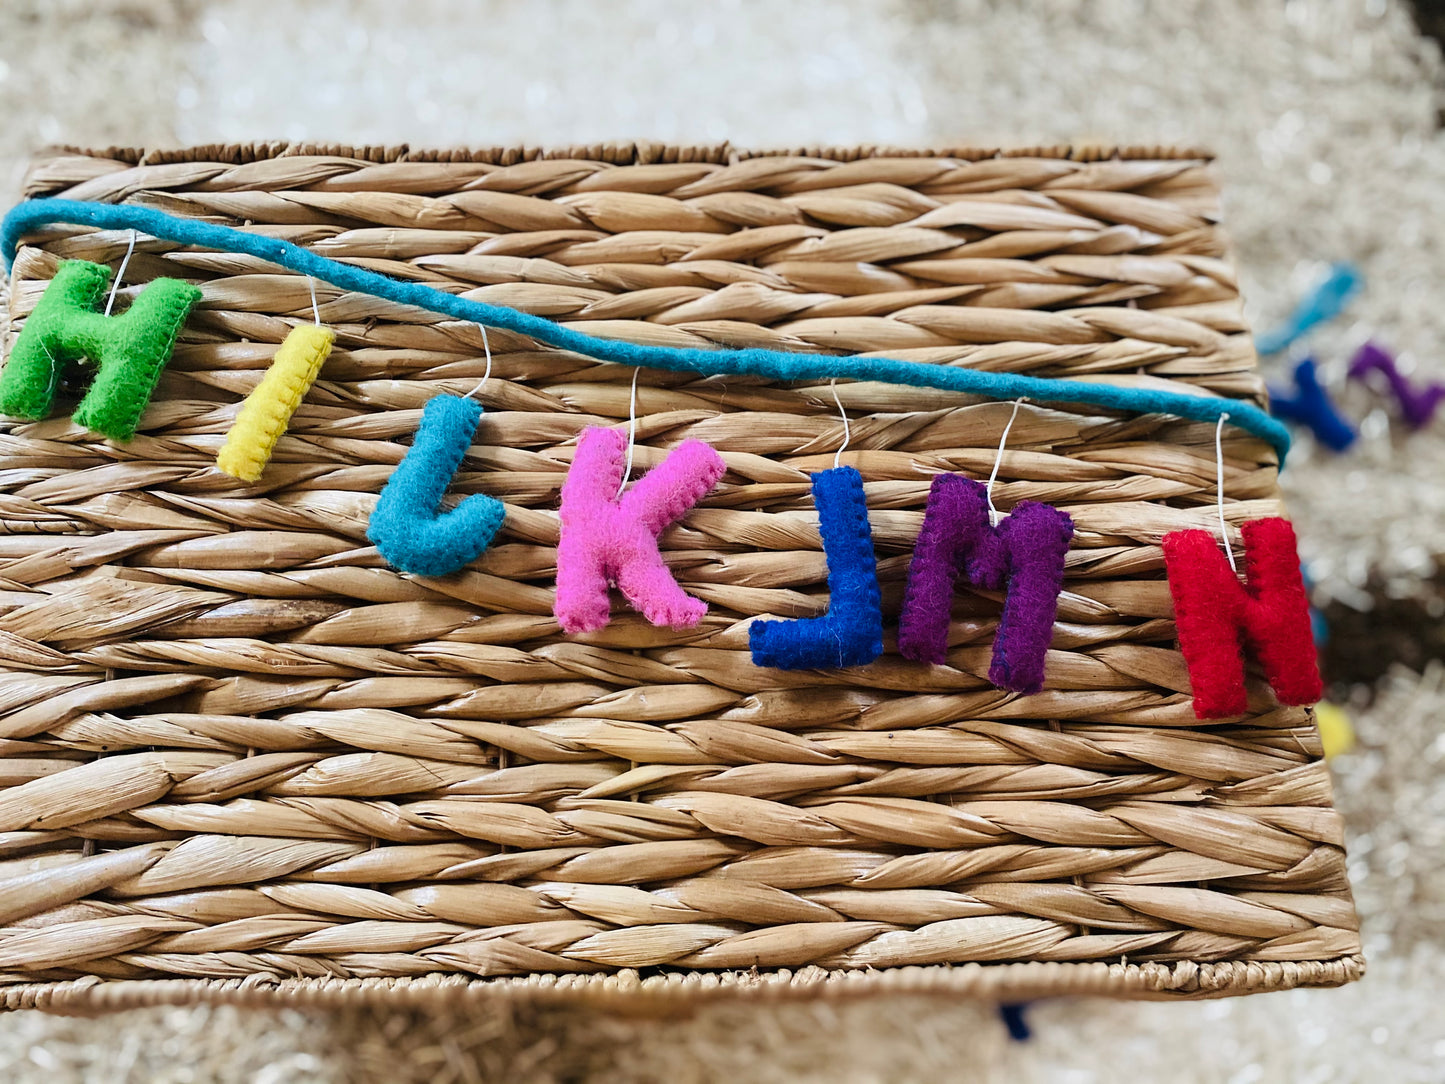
(1326, 301)
(1311, 407)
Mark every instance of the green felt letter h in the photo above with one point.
(128, 351)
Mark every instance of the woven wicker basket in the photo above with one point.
(243, 760)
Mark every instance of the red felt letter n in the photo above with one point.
(1219, 618)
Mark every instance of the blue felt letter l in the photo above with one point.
(409, 526)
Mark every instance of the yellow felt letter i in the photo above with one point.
(267, 411)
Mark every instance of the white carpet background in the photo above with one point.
(1324, 114)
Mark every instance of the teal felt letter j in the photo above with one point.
(128, 351)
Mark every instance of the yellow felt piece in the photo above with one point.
(1337, 732)
(267, 411)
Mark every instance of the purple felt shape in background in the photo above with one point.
(1023, 556)
(1417, 405)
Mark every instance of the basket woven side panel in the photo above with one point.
(236, 747)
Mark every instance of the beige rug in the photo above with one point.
(1325, 116)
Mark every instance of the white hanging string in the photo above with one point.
(487, 374)
(847, 429)
(54, 371)
(631, 434)
(315, 308)
(993, 513)
(1219, 488)
(120, 274)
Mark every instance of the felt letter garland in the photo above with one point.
(268, 409)
(851, 632)
(129, 350)
(1217, 617)
(610, 539)
(1023, 556)
(409, 526)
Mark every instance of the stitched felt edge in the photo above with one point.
(29, 380)
(409, 526)
(850, 633)
(266, 414)
(114, 406)
(772, 364)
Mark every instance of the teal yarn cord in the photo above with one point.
(776, 365)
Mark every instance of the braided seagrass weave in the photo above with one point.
(241, 759)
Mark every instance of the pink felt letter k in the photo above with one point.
(607, 539)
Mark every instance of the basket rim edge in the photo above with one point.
(1174, 980)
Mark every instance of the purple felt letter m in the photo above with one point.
(1023, 556)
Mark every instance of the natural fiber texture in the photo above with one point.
(240, 749)
(670, 993)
